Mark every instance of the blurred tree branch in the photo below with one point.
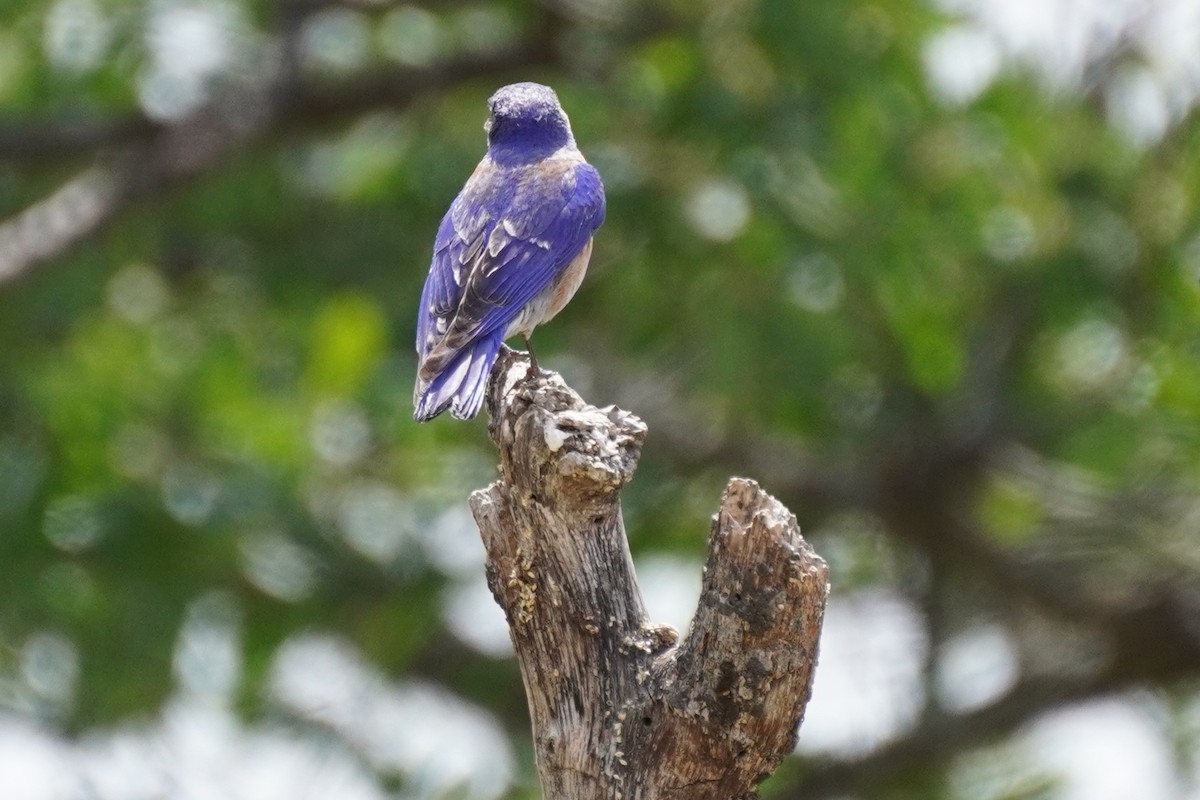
(139, 159)
(69, 139)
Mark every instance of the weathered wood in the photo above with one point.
(620, 709)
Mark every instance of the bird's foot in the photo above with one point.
(534, 371)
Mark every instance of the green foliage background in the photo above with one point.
(960, 340)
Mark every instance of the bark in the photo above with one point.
(621, 709)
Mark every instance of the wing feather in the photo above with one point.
(502, 242)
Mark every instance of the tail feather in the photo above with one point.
(461, 383)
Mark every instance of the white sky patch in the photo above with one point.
(189, 45)
(442, 745)
(31, 762)
(961, 62)
(472, 615)
(976, 667)
(376, 520)
(194, 750)
(191, 40)
(1136, 103)
(1189, 724)
(208, 658)
(451, 543)
(1107, 750)
(200, 751)
(671, 588)
(1170, 37)
(1057, 36)
(719, 210)
(868, 686)
(1061, 40)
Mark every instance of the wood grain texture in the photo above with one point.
(621, 709)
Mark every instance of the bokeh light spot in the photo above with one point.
(190, 493)
(472, 615)
(73, 523)
(975, 667)
(207, 656)
(50, 668)
(816, 283)
(376, 520)
(960, 63)
(1089, 356)
(278, 566)
(336, 40)
(410, 35)
(340, 433)
(1008, 234)
(137, 293)
(77, 35)
(719, 210)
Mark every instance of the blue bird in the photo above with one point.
(510, 252)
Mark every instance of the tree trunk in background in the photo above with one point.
(621, 709)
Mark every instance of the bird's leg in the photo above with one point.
(534, 369)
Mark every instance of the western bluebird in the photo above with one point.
(510, 252)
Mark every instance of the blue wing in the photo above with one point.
(506, 237)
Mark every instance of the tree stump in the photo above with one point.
(621, 709)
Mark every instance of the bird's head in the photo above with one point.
(526, 118)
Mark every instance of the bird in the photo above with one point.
(509, 253)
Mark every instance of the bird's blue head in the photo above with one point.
(526, 121)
